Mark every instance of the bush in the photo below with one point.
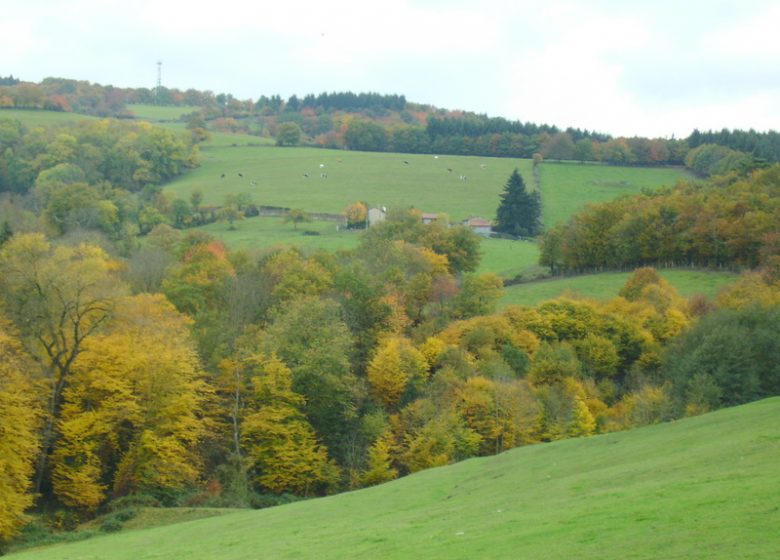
(261, 501)
(115, 521)
(39, 533)
(111, 525)
(134, 501)
(730, 357)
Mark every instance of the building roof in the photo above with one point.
(478, 222)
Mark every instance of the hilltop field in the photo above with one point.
(276, 176)
(703, 487)
(333, 328)
(291, 177)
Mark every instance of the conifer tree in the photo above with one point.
(519, 212)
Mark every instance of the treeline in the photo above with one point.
(762, 145)
(346, 101)
(472, 125)
(102, 175)
(390, 123)
(59, 94)
(708, 160)
(189, 374)
(726, 222)
(8, 80)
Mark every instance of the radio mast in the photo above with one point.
(159, 83)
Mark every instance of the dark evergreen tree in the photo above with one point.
(520, 211)
(6, 232)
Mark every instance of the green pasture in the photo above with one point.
(275, 177)
(32, 118)
(154, 113)
(227, 140)
(607, 285)
(221, 139)
(268, 232)
(568, 187)
(508, 258)
(505, 258)
(698, 488)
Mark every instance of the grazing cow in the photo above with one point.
(449, 169)
(323, 175)
(322, 165)
(305, 175)
(222, 176)
(406, 162)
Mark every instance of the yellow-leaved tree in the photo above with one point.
(279, 441)
(395, 366)
(504, 414)
(132, 415)
(379, 466)
(58, 297)
(19, 443)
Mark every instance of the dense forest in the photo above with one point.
(172, 370)
(730, 221)
(190, 374)
(376, 122)
(102, 175)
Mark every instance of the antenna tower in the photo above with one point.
(159, 82)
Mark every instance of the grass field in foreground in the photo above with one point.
(568, 187)
(699, 488)
(607, 285)
(275, 176)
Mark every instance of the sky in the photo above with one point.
(650, 68)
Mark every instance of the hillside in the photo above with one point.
(606, 285)
(703, 487)
(457, 185)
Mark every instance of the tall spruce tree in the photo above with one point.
(520, 211)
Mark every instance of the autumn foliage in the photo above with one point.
(254, 378)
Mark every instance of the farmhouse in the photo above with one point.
(479, 226)
(376, 215)
(428, 217)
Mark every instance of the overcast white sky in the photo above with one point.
(651, 68)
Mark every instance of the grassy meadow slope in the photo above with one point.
(568, 187)
(32, 118)
(504, 257)
(606, 285)
(376, 178)
(704, 487)
(156, 113)
(268, 232)
(509, 258)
